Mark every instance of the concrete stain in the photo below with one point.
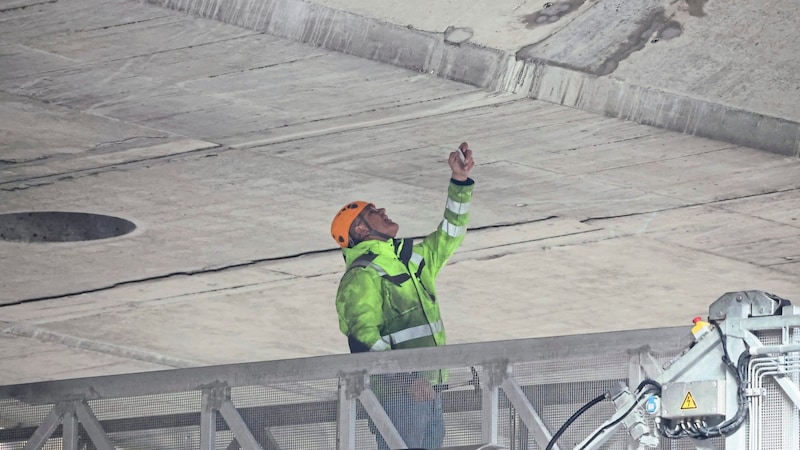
(551, 12)
(670, 30)
(657, 26)
(657, 23)
(696, 7)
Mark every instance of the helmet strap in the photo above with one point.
(372, 232)
(378, 233)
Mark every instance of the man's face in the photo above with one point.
(379, 221)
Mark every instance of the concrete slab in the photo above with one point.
(35, 133)
(628, 61)
(745, 60)
(721, 230)
(29, 359)
(231, 150)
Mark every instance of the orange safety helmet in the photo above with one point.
(340, 227)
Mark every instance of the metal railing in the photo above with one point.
(511, 393)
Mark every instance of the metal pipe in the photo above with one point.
(771, 349)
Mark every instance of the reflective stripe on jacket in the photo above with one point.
(387, 297)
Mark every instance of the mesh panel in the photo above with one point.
(452, 419)
(461, 404)
(462, 424)
(507, 428)
(167, 421)
(164, 421)
(365, 433)
(769, 337)
(565, 370)
(18, 422)
(556, 389)
(775, 417)
(572, 397)
(772, 417)
(290, 415)
(52, 444)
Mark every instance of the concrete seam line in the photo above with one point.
(44, 180)
(23, 330)
(490, 100)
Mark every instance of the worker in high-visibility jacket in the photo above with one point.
(387, 299)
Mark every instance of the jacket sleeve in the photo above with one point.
(359, 306)
(440, 245)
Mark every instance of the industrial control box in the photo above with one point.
(693, 399)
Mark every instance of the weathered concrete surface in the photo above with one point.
(724, 70)
(231, 150)
(737, 53)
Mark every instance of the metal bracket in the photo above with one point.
(355, 384)
(493, 375)
(742, 304)
(217, 398)
(217, 395)
(755, 392)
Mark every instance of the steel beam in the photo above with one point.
(237, 425)
(490, 400)
(492, 376)
(92, 427)
(535, 424)
(43, 432)
(331, 366)
(208, 420)
(70, 433)
(346, 419)
(381, 420)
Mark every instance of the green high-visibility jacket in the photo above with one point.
(387, 297)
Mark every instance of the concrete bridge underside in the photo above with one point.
(621, 183)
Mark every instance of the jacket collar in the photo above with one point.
(372, 246)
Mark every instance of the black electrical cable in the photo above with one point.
(740, 372)
(725, 356)
(742, 410)
(594, 401)
(601, 430)
(731, 425)
(638, 398)
(648, 382)
(574, 417)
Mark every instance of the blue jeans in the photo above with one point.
(420, 424)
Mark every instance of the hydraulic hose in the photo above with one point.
(637, 395)
(573, 418)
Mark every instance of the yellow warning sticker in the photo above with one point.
(688, 402)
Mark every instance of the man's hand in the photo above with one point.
(420, 389)
(461, 167)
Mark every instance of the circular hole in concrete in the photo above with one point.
(58, 226)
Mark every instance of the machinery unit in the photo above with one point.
(745, 354)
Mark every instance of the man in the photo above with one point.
(387, 299)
